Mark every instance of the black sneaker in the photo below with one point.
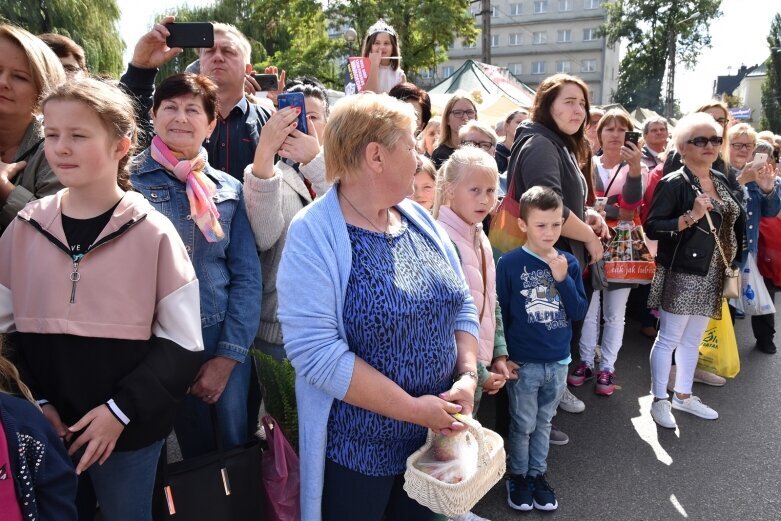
(544, 495)
(766, 345)
(519, 492)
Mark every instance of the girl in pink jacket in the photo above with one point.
(467, 191)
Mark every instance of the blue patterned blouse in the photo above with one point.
(400, 310)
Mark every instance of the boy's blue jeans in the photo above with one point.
(534, 397)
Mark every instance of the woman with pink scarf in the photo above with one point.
(207, 208)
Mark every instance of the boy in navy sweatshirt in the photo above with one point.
(540, 292)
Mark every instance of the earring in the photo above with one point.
(207, 141)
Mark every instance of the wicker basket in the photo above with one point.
(458, 498)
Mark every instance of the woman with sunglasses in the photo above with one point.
(688, 284)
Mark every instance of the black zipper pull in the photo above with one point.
(75, 276)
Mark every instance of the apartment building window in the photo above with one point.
(494, 12)
(592, 4)
(565, 5)
(539, 37)
(427, 73)
(515, 9)
(590, 34)
(564, 36)
(516, 68)
(447, 71)
(538, 67)
(494, 40)
(588, 65)
(468, 45)
(564, 66)
(540, 6)
(515, 39)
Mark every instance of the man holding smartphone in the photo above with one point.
(231, 146)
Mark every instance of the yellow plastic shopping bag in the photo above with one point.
(719, 347)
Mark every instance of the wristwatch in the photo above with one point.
(470, 374)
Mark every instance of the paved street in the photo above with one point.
(620, 466)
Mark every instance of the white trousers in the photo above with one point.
(614, 312)
(682, 334)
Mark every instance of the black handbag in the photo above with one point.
(221, 486)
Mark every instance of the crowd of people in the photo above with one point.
(153, 235)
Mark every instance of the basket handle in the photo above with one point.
(473, 426)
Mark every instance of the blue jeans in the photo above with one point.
(123, 485)
(193, 424)
(534, 397)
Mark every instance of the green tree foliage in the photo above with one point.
(771, 87)
(290, 34)
(646, 26)
(90, 23)
(426, 28)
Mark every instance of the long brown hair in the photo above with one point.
(112, 106)
(540, 112)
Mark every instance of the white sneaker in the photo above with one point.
(662, 414)
(469, 516)
(693, 405)
(570, 403)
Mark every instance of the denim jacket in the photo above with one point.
(759, 204)
(228, 271)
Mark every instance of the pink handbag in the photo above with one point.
(281, 476)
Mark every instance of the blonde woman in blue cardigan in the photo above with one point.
(377, 320)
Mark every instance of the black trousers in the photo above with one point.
(764, 326)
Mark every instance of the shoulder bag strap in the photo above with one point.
(617, 170)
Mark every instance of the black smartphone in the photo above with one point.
(294, 99)
(634, 137)
(190, 35)
(267, 81)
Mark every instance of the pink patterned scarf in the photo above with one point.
(200, 189)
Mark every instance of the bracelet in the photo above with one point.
(689, 215)
(471, 374)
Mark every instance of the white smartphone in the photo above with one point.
(599, 204)
(760, 158)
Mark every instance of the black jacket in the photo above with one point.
(539, 158)
(690, 250)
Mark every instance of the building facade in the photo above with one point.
(537, 38)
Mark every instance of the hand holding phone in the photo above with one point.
(760, 159)
(294, 99)
(633, 137)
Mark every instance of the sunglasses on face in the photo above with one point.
(461, 113)
(485, 145)
(742, 146)
(702, 141)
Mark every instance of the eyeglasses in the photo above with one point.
(742, 146)
(702, 141)
(461, 113)
(485, 145)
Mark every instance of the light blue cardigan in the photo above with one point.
(312, 283)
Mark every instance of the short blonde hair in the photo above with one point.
(685, 126)
(244, 45)
(453, 171)
(473, 124)
(359, 120)
(45, 66)
(742, 129)
(768, 136)
(427, 167)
